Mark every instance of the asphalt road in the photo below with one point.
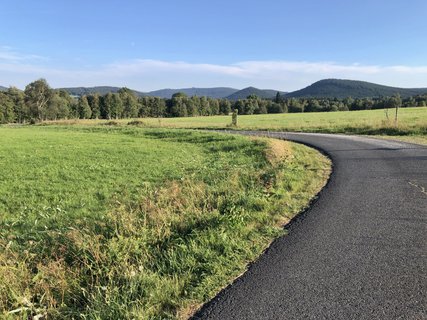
(360, 252)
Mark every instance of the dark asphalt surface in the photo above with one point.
(360, 252)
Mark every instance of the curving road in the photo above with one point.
(360, 252)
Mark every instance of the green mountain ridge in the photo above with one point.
(262, 93)
(338, 88)
(327, 88)
(216, 92)
(80, 91)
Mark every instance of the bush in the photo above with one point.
(137, 123)
(111, 123)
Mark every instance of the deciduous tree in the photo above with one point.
(83, 108)
(20, 108)
(6, 109)
(130, 103)
(37, 97)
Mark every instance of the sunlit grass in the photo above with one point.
(411, 121)
(125, 222)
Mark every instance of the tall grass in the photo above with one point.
(153, 246)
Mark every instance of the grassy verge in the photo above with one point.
(121, 223)
(418, 139)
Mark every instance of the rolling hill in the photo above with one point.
(265, 94)
(80, 91)
(219, 92)
(336, 88)
(328, 88)
(216, 92)
(3, 88)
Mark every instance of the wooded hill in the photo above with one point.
(336, 88)
(216, 93)
(81, 91)
(261, 93)
(328, 89)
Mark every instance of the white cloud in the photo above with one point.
(145, 75)
(8, 54)
(142, 66)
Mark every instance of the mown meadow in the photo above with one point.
(411, 121)
(106, 222)
(411, 125)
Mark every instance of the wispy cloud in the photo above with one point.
(141, 66)
(145, 74)
(10, 55)
(305, 67)
(248, 69)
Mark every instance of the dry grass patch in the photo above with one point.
(278, 151)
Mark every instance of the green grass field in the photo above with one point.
(412, 122)
(101, 222)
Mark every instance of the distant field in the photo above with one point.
(412, 121)
(125, 222)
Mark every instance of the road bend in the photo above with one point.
(360, 251)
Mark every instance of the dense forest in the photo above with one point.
(339, 88)
(39, 102)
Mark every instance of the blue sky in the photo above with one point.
(148, 45)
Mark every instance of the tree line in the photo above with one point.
(39, 102)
